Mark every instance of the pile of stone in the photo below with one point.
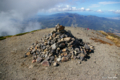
(58, 46)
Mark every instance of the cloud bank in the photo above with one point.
(115, 11)
(14, 12)
(108, 2)
(62, 8)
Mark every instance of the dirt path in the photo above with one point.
(103, 64)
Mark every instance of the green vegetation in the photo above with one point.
(8, 36)
(21, 34)
(2, 37)
(35, 30)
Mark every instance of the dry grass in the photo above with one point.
(101, 41)
(104, 33)
(114, 35)
(114, 38)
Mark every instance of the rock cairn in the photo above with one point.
(58, 46)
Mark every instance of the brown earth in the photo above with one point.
(103, 64)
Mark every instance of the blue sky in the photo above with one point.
(101, 8)
(15, 12)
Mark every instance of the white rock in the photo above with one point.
(59, 59)
(53, 46)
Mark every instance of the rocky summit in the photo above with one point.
(58, 46)
(18, 63)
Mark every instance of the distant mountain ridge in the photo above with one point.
(76, 20)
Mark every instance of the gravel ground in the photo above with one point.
(103, 64)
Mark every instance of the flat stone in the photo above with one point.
(62, 39)
(64, 59)
(64, 50)
(39, 59)
(46, 63)
(82, 56)
(53, 46)
(28, 53)
(67, 39)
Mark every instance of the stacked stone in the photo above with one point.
(58, 46)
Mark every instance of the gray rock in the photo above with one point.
(53, 46)
(52, 58)
(39, 59)
(86, 46)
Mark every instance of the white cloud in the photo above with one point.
(11, 23)
(100, 11)
(65, 8)
(108, 2)
(14, 12)
(82, 8)
(73, 9)
(115, 11)
(88, 9)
